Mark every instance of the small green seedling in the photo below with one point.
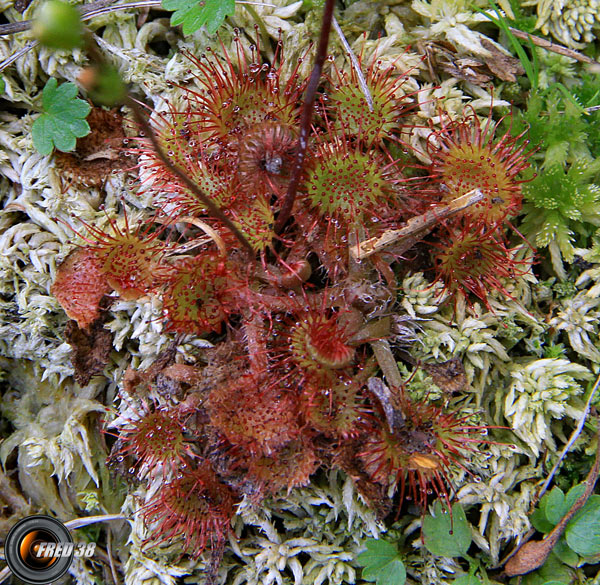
(194, 15)
(381, 563)
(2, 85)
(62, 120)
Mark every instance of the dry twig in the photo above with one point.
(532, 554)
(550, 46)
(306, 117)
(415, 226)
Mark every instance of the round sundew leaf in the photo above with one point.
(79, 287)
(446, 536)
(345, 183)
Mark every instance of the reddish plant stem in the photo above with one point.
(96, 56)
(256, 341)
(212, 208)
(306, 117)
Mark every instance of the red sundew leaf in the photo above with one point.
(80, 286)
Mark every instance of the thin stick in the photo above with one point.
(17, 55)
(101, 7)
(210, 232)
(87, 520)
(387, 362)
(574, 436)
(306, 117)
(362, 82)
(188, 246)
(111, 561)
(213, 209)
(550, 46)
(415, 225)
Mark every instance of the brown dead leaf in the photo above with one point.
(183, 373)
(443, 56)
(135, 382)
(503, 66)
(98, 153)
(467, 69)
(449, 376)
(90, 349)
(373, 493)
(531, 556)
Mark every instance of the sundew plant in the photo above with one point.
(302, 292)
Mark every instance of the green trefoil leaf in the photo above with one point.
(62, 120)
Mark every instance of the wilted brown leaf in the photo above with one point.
(98, 153)
(90, 349)
(449, 376)
(503, 66)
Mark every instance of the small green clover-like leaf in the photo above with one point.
(382, 563)
(62, 120)
(540, 522)
(194, 14)
(553, 572)
(583, 531)
(573, 495)
(444, 536)
(565, 554)
(553, 506)
(2, 85)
